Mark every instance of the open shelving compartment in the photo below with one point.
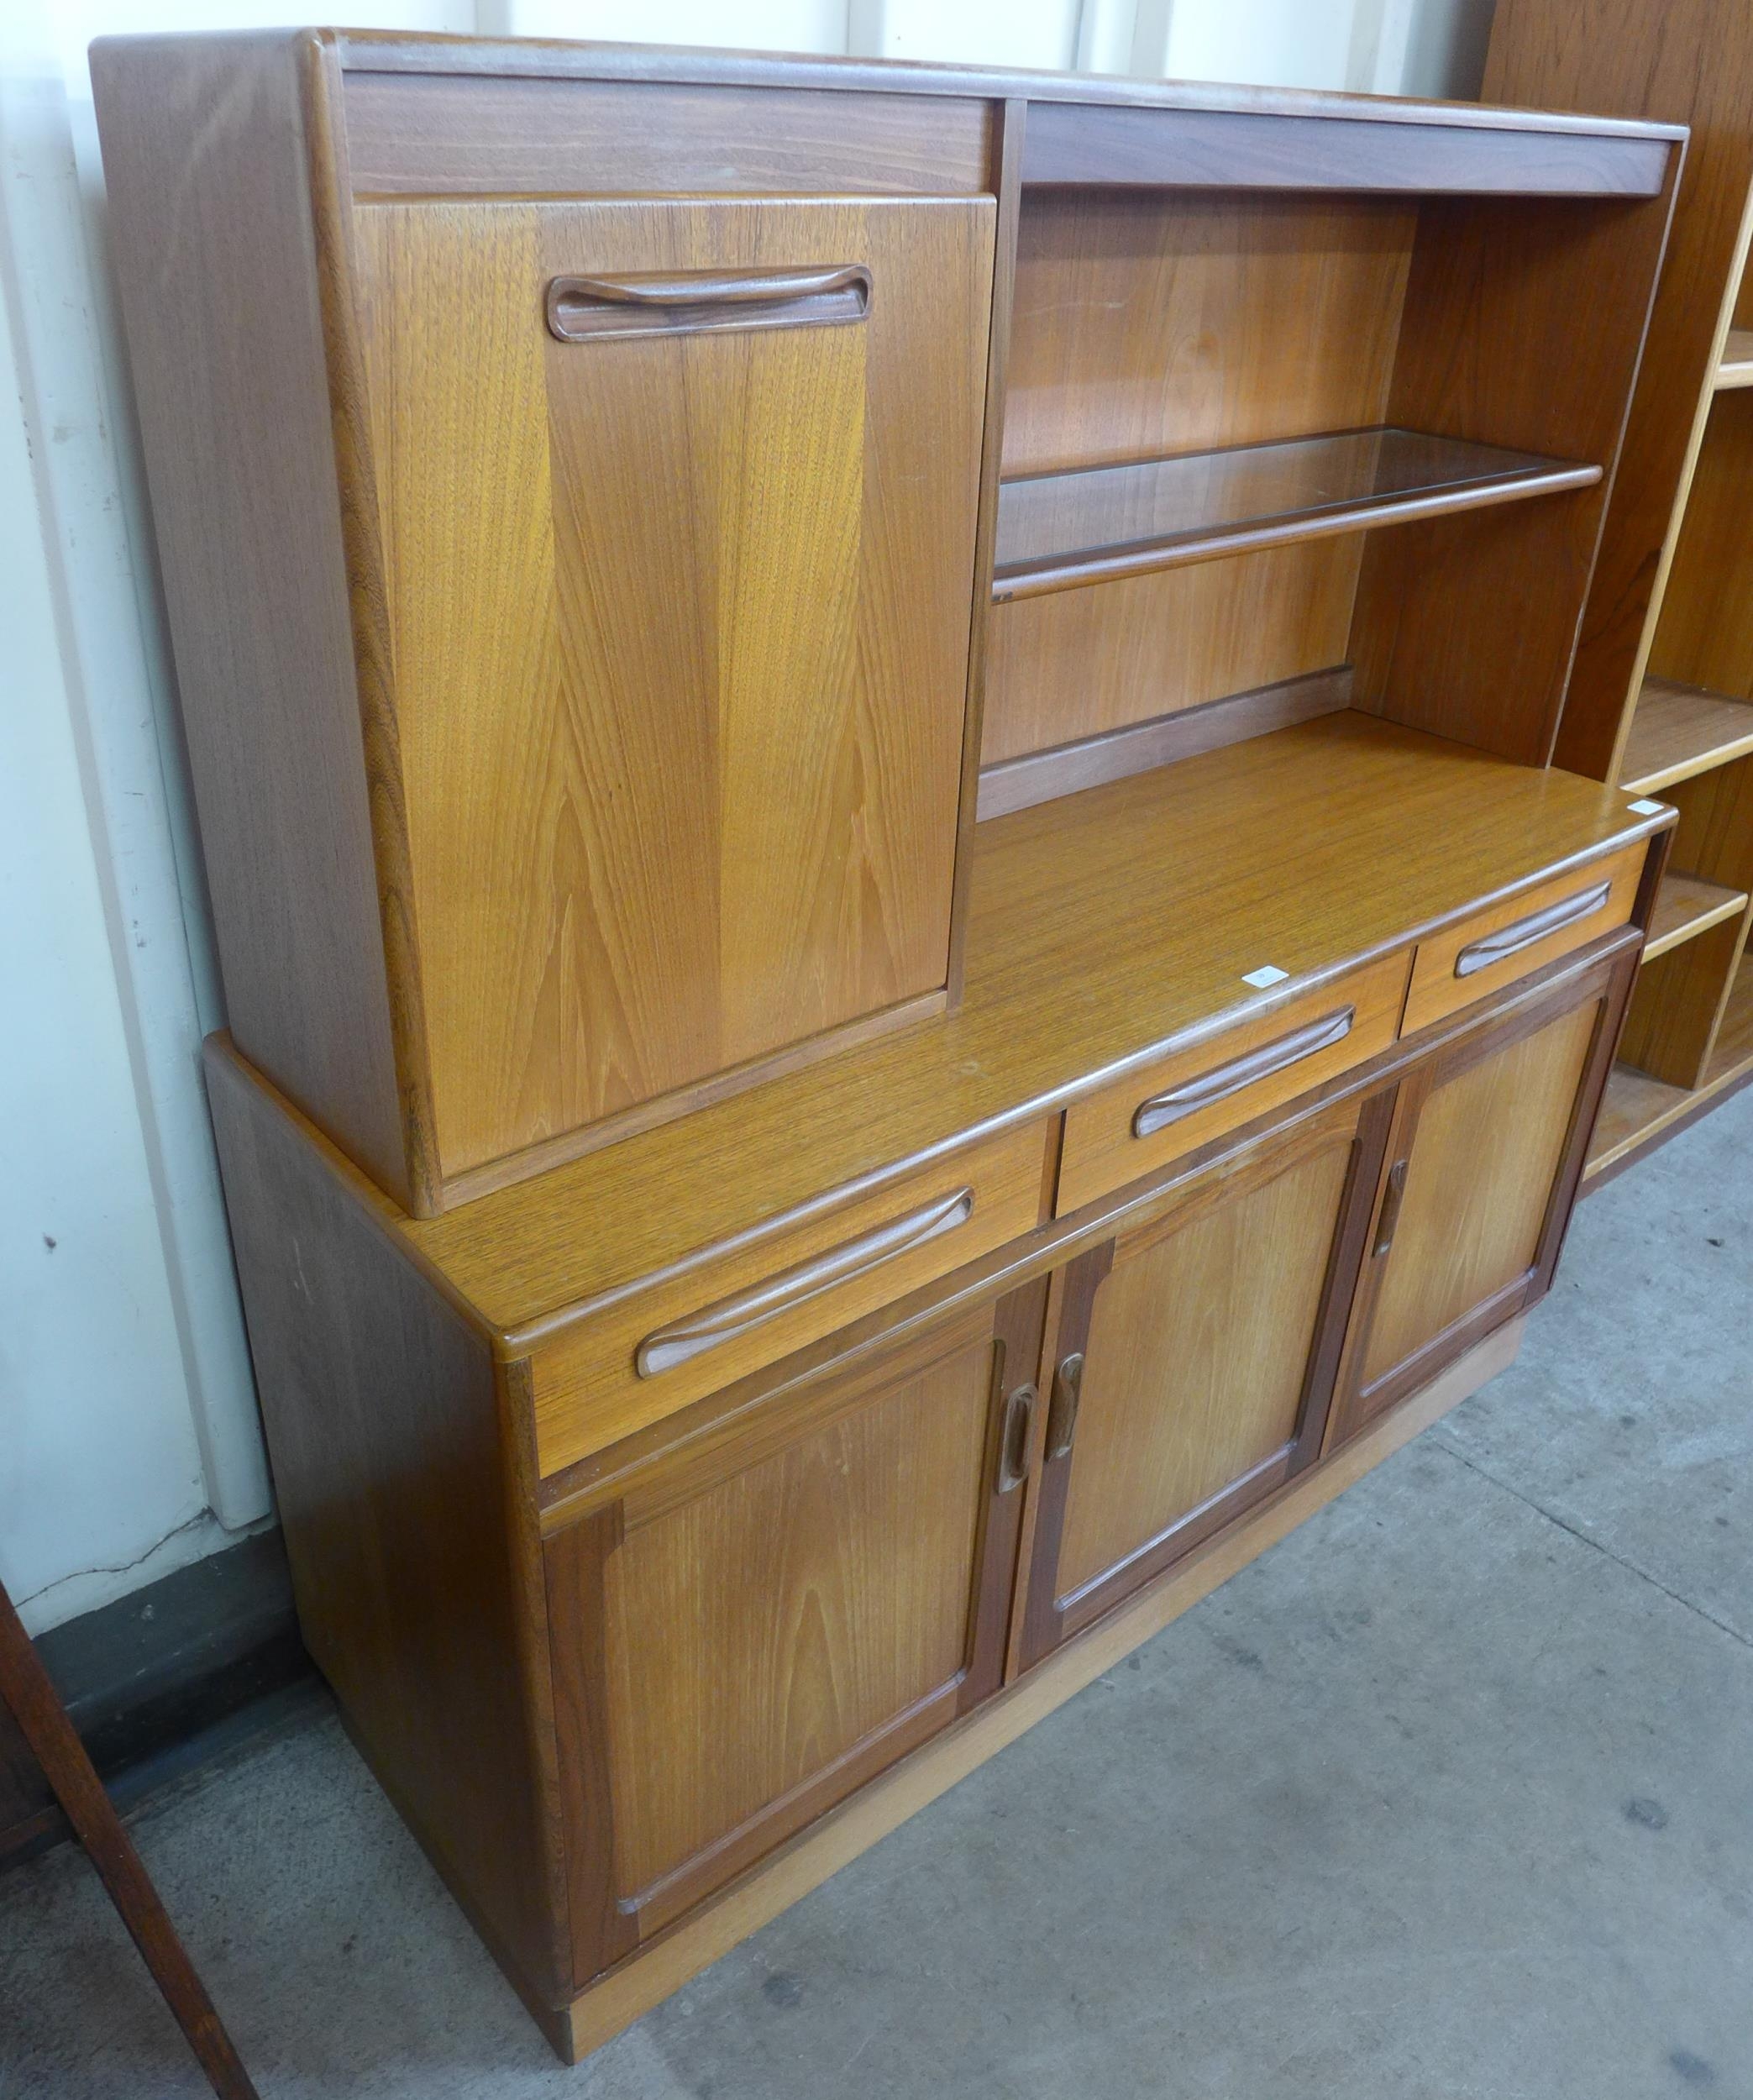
(1286, 436)
(1689, 739)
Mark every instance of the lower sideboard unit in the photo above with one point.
(653, 1592)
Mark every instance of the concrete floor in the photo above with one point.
(1451, 1793)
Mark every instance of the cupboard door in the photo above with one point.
(1487, 1152)
(752, 1629)
(1195, 1358)
(676, 501)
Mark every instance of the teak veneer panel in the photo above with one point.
(1679, 731)
(1073, 664)
(1306, 850)
(1686, 905)
(718, 586)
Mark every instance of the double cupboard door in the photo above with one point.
(1261, 1312)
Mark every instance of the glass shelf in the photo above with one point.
(1059, 529)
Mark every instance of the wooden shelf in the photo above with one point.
(1638, 1108)
(1686, 905)
(1055, 530)
(1736, 369)
(1681, 730)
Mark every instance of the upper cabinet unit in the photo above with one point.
(625, 515)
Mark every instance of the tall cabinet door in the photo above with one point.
(676, 503)
(756, 1624)
(1195, 1355)
(1486, 1152)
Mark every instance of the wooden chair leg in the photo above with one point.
(36, 1706)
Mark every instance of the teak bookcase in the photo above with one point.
(1662, 698)
(903, 964)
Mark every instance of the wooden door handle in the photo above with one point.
(1062, 1417)
(1226, 1079)
(717, 1323)
(703, 301)
(1013, 1448)
(1391, 1202)
(1510, 940)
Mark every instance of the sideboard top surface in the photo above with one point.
(1105, 925)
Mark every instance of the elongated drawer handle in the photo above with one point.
(732, 1316)
(1226, 1079)
(582, 309)
(1390, 1217)
(1510, 940)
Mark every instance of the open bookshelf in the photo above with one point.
(1661, 694)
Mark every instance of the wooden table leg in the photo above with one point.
(35, 1704)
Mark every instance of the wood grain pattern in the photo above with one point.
(402, 1473)
(764, 1621)
(1489, 317)
(1638, 1113)
(526, 135)
(1713, 839)
(746, 1903)
(1436, 988)
(1077, 663)
(209, 215)
(1101, 1150)
(712, 810)
(588, 1392)
(1112, 754)
(1685, 60)
(1199, 1346)
(1357, 838)
(1140, 328)
(1237, 151)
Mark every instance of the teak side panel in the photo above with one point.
(1448, 636)
(713, 810)
(403, 1467)
(1143, 325)
(1682, 61)
(1077, 664)
(207, 174)
(1704, 630)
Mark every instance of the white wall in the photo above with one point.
(128, 1438)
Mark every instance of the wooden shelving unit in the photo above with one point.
(1661, 692)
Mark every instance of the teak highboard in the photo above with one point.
(903, 964)
(1661, 699)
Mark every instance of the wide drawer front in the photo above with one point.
(1505, 941)
(660, 1346)
(1161, 1110)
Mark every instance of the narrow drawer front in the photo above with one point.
(1163, 1109)
(1509, 939)
(688, 1334)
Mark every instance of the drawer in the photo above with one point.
(1493, 948)
(746, 1303)
(1228, 1076)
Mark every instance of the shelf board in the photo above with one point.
(1736, 369)
(1637, 1108)
(1677, 731)
(1686, 905)
(1056, 530)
